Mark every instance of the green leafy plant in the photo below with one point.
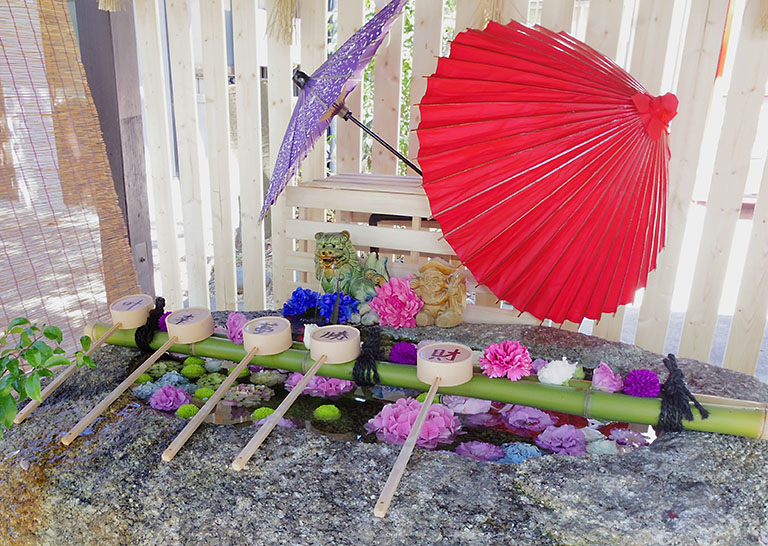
(39, 346)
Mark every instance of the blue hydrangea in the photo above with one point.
(517, 452)
(347, 306)
(145, 390)
(301, 300)
(172, 378)
(189, 387)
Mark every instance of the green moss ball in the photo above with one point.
(423, 396)
(194, 360)
(245, 372)
(193, 371)
(261, 413)
(326, 412)
(204, 393)
(212, 380)
(187, 410)
(144, 378)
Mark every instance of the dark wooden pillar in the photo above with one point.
(108, 49)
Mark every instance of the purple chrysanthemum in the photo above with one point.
(324, 387)
(161, 325)
(403, 352)
(480, 451)
(508, 358)
(565, 439)
(643, 383)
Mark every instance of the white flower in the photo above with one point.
(602, 447)
(592, 434)
(308, 329)
(467, 406)
(557, 372)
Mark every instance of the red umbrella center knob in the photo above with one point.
(656, 112)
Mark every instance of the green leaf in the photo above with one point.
(33, 356)
(26, 341)
(18, 321)
(56, 360)
(44, 372)
(6, 382)
(89, 362)
(59, 351)
(20, 385)
(45, 350)
(8, 410)
(54, 333)
(33, 387)
(85, 341)
(17, 330)
(13, 366)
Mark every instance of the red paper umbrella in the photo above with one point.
(546, 165)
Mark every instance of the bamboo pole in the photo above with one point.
(726, 417)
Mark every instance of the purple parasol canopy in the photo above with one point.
(323, 93)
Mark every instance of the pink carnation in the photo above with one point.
(480, 451)
(396, 303)
(393, 423)
(508, 358)
(565, 439)
(169, 398)
(324, 387)
(526, 421)
(603, 379)
(235, 323)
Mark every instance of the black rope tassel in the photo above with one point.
(364, 372)
(144, 334)
(675, 398)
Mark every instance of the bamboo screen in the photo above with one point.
(63, 244)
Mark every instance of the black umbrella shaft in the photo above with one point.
(350, 117)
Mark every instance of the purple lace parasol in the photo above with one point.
(323, 96)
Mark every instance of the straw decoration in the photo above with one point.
(113, 5)
(280, 25)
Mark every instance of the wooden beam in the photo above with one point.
(349, 137)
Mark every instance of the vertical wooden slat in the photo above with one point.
(748, 324)
(648, 54)
(348, 137)
(185, 115)
(700, 57)
(514, 9)
(742, 109)
(557, 15)
(465, 15)
(314, 37)
(248, 97)
(279, 69)
(158, 144)
(603, 26)
(427, 28)
(387, 74)
(217, 131)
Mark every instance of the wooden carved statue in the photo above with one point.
(443, 289)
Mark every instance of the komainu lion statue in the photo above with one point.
(443, 289)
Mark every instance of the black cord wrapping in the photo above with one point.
(674, 399)
(364, 372)
(144, 334)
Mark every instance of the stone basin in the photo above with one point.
(111, 486)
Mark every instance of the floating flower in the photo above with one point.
(538, 364)
(403, 352)
(347, 306)
(603, 379)
(246, 395)
(592, 434)
(396, 303)
(169, 398)
(527, 421)
(517, 452)
(565, 439)
(270, 378)
(161, 325)
(300, 301)
(508, 358)
(487, 420)
(642, 383)
(628, 438)
(308, 329)
(602, 447)
(393, 423)
(325, 387)
(235, 323)
(480, 451)
(465, 405)
(557, 372)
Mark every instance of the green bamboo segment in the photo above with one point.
(723, 417)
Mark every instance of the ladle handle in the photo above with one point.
(244, 456)
(115, 394)
(59, 379)
(198, 418)
(382, 505)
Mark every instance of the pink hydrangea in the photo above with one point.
(508, 358)
(480, 451)
(324, 387)
(235, 323)
(629, 438)
(393, 424)
(462, 404)
(396, 303)
(526, 421)
(565, 439)
(169, 398)
(603, 379)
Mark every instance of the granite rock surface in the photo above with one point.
(111, 486)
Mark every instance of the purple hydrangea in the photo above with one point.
(480, 451)
(403, 352)
(643, 383)
(235, 323)
(325, 387)
(538, 364)
(527, 421)
(169, 398)
(565, 439)
(300, 301)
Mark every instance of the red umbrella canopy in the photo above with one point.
(546, 165)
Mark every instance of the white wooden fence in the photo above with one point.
(665, 44)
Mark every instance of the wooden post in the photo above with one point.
(557, 15)
(349, 137)
(108, 51)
